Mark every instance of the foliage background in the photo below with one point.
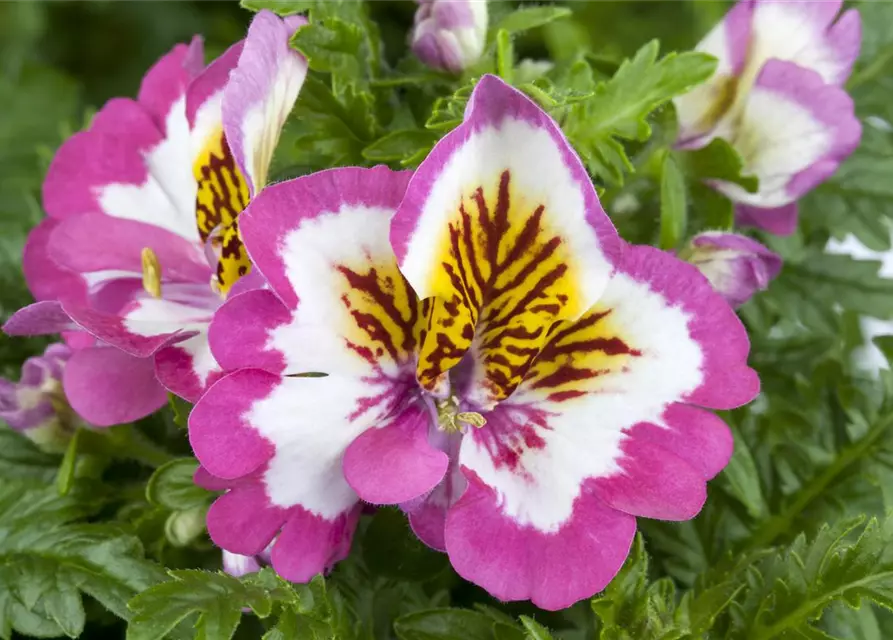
(785, 547)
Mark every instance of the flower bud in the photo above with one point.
(735, 265)
(450, 34)
(35, 406)
(183, 527)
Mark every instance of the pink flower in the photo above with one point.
(499, 362)
(450, 34)
(35, 406)
(142, 241)
(777, 97)
(735, 265)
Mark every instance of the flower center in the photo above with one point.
(151, 272)
(451, 420)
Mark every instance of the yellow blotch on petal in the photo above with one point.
(222, 195)
(384, 321)
(222, 189)
(503, 277)
(579, 356)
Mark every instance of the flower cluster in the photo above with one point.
(496, 361)
(141, 245)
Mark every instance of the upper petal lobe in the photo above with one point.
(502, 227)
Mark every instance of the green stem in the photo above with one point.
(778, 524)
(125, 442)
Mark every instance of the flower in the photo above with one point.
(777, 97)
(735, 265)
(450, 34)
(499, 362)
(36, 405)
(143, 213)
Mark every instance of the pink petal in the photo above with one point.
(516, 562)
(244, 521)
(222, 439)
(240, 332)
(107, 386)
(166, 82)
(309, 544)
(40, 318)
(395, 463)
(653, 483)
(46, 279)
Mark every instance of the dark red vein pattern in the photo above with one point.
(509, 277)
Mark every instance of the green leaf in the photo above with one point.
(391, 549)
(280, 7)
(531, 18)
(20, 459)
(535, 631)
(717, 161)
(876, 55)
(673, 207)
(627, 609)
(858, 198)
(47, 559)
(448, 111)
(180, 408)
(399, 145)
(331, 47)
(853, 624)
(710, 209)
(65, 477)
(172, 487)
(216, 598)
(330, 130)
(808, 287)
(619, 108)
(631, 608)
(885, 344)
(799, 582)
(286, 627)
(742, 480)
(444, 624)
(342, 40)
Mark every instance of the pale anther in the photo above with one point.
(151, 272)
(476, 420)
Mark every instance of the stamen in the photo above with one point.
(151, 272)
(451, 420)
(476, 420)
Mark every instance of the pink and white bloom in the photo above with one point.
(499, 362)
(35, 406)
(777, 97)
(142, 241)
(450, 34)
(735, 265)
